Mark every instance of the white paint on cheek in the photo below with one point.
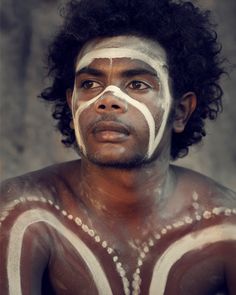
(155, 63)
(190, 242)
(22, 223)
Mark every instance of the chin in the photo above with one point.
(119, 163)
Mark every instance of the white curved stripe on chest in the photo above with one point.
(17, 232)
(190, 242)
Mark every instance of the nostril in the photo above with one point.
(102, 106)
(115, 106)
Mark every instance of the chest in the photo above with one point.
(180, 258)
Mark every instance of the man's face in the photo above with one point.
(121, 100)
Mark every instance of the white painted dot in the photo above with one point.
(198, 217)
(195, 196)
(85, 228)
(50, 202)
(164, 231)
(97, 239)
(157, 236)
(142, 255)
(44, 200)
(22, 199)
(16, 202)
(137, 270)
(125, 282)
(228, 212)
(57, 207)
(146, 249)
(169, 227)
(140, 262)
(122, 273)
(234, 211)
(127, 291)
(115, 258)
(207, 214)
(91, 233)
(64, 212)
(70, 217)
(109, 250)
(78, 221)
(104, 244)
(188, 220)
(178, 224)
(151, 243)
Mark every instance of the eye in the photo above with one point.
(138, 85)
(89, 84)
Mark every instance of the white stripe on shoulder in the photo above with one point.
(17, 232)
(190, 242)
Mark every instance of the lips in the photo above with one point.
(110, 131)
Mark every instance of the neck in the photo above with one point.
(125, 192)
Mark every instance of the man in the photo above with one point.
(133, 82)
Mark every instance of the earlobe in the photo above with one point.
(183, 111)
(69, 94)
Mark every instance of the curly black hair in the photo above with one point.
(181, 28)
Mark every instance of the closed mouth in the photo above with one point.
(104, 126)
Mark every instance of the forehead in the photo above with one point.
(131, 47)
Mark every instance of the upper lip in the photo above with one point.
(110, 126)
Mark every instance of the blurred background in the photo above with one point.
(28, 137)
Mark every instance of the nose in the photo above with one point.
(110, 103)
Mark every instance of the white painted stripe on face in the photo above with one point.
(193, 241)
(154, 62)
(125, 97)
(30, 217)
(120, 52)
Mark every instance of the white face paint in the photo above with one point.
(136, 48)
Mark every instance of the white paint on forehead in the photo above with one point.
(193, 241)
(22, 223)
(134, 48)
(121, 52)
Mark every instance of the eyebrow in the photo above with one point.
(127, 73)
(90, 71)
(138, 72)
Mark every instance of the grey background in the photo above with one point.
(28, 137)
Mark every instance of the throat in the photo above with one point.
(126, 194)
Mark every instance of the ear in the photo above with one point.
(69, 93)
(183, 111)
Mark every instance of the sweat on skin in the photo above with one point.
(139, 49)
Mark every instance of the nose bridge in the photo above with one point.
(110, 102)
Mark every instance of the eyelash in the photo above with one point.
(83, 83)
(147, 86)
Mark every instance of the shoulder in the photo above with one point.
(50, 183)
(209, 192)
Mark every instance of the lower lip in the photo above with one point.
(110, 136)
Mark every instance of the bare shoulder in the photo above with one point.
(48, 183)
(209, 192)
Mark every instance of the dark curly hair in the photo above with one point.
(182, 29)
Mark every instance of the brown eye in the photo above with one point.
(138, 85)
(88, 84)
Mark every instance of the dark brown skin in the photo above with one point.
(125, 207)
(205, 271)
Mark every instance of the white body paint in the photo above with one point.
(190, 242)
(144, 53)
(193, 241)
(22, 223)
